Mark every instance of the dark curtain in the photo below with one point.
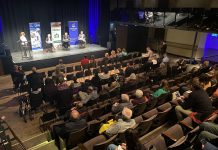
(17, 14)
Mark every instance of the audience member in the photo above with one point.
(90, 95)
(149, 52)
(113, 54)
(197, 101)
(164, 88)
(105, 74)
(124, 53)
(17, 76)
(106, 59)
(129, 69)
(122, 124)
(56, 75)
(49, 91)
(74, 124)
(35, 79)
(84, 61)
(205, 81)
(165, 59)
(140, 98)
(62, 85)
(61, 66)
(125, 102)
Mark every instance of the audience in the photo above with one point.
(125, 102)
(197, 101)
(122, 124)
(140, 98)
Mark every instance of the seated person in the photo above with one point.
(165, 58)
(61, 66)
(82, 40)
(205, 81)
(105, 74)
(205, 67)
(125, 102)
(75, 85)
(74, 124)
(113, 54)
(122, 124)
(197, 101)
(93, 61)
(66, 40)
(162, 70)
(209, 133)
(149, 53)
(124, 53)
(106, 59)
(163, 89)
(84, 61)
(62, 84)
(35, 79)
(119, 53)
(56, 75)
(140, 98)
(129, 69)
(111, 86)
(90, 95)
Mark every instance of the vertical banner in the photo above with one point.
(35, 36)
(56, 33)
(73, 32)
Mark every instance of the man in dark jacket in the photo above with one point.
(74, 124)
(35, 79)
(197, 101)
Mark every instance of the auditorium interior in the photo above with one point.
(108, 75)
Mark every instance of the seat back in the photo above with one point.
(104, 145)
(70, 69)
(156, 144)
(152, 103)
(76, 137)
(174, 133)
(98, 139)
(139, 109)
(35, 100)
(64, 98)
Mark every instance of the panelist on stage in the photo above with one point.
(66, 40)
(24, 43)
(49, 43)
(82, 40)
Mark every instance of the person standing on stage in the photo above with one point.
(66, 40)
(82, 40)
(49, 43)
(24, 43)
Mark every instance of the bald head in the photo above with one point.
(127, 113)
(74, 115)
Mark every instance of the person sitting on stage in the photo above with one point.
(23, 42)
(49, 43)
(84, 61)
(82, 40)
(66, 40)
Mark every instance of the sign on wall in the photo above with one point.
(73, 32)
(35, 36)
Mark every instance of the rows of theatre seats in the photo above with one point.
(148, 116)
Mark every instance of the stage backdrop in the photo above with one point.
(73, 32)
(35, 36)
(56, 33)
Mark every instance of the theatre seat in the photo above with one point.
(139, 109)
(157, 144)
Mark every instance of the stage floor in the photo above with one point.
(90, 48)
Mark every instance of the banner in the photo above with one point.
(73, 32)
(56, 33)
(35, 36)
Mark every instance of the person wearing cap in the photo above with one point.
(140, 98)
(125, 102)
(197, 101)
(122, 124)
(91, 94)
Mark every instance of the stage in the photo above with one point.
(42, 59)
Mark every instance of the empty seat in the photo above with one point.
(78, 68)
(187, 124)
(80, 74)
(70, 77)
(70, 69)
(157, 144)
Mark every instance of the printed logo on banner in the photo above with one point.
(35, 36)
(56, 32)
(73, 32)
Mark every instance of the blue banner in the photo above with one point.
(35, 36)
(73, 32)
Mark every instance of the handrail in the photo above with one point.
(13, 133)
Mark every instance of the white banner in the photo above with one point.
(56, 33)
